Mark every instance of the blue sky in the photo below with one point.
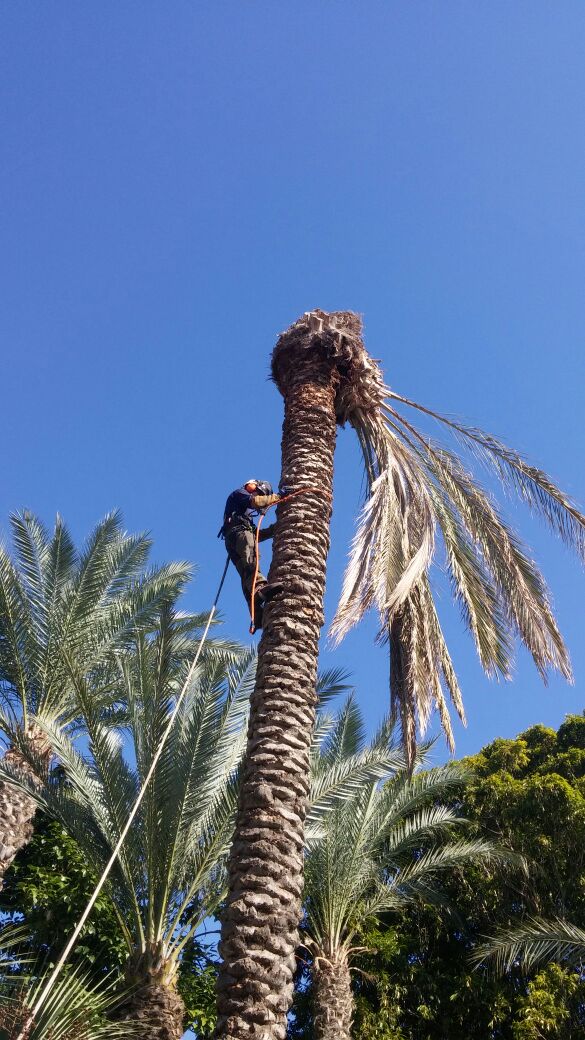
(180, 181)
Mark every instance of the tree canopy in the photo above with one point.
(417, 979)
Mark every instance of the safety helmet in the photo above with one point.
(262, 486)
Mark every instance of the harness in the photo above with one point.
(237, 520)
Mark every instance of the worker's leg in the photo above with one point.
(241, 547)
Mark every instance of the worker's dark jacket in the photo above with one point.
(239, 531)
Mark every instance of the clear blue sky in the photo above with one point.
(180, 181)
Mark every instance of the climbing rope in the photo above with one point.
(57, 969)
(285, 498)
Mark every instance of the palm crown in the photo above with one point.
(163, 881)
(418, 488)
(383, 848)
(62, 612)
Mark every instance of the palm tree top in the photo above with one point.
(385, 846)
(418, 489)
(63, 610)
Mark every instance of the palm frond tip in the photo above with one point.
(535, 941)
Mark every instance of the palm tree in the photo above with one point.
(62, 612)
(167, 878)
(415, 488)
(170, 875)
(535, 941)
(379, 851)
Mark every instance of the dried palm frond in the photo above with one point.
(416, 486)
(532, 485)
(520, 589)
(394, 543)
(421, 670)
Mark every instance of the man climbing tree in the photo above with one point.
(240, 533)
(418, 490)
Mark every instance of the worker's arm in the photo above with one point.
(263, 501)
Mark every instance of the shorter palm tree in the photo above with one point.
(534, 942)
(62, 613)
(378, 851)
(170, 873)
(167, 878)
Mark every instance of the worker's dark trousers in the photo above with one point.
(240, 542)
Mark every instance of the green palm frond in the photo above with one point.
(63, 612)
(331, 683)
(77, 1009)
(339, 781)
(18, 642)
(342, 761)
(168, 875)
(405, 794)
(348, 736)
(384, 846)
(535, 941)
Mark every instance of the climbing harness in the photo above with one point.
(45, 992)
(289, 493)
(262, 487)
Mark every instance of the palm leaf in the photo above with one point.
(535, 941)
(533, 485)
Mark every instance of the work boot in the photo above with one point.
(258, 610)
(270, 590)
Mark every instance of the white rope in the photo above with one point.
(56, 970)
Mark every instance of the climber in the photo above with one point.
(239, 532)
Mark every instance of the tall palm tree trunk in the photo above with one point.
(17, 808)
(332, 997)
(259, 926)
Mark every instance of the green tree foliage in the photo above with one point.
(417, 979)
(47, 888)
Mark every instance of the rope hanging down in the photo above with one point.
(56, 970)
(285, 498)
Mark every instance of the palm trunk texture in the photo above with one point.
(153, 1001)
(262, 913)
(17, 808)
(332, 998)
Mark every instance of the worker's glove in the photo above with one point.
(263, 501)
(285, 489)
